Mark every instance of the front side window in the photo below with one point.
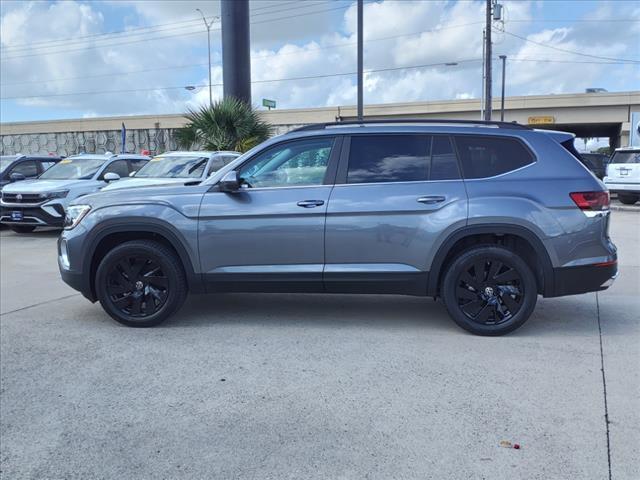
(296, 163)
(74, 168)
(174, 166)
(484, 157)
(28, 169)
(119, 167)
(388, 158)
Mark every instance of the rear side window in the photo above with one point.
(388, 158)
(483, 157)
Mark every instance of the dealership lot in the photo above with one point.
(314, 386)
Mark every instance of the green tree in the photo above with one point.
(228, 124)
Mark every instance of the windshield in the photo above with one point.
(626, 157)
(5, 161)
(174, 166)
(74, 169)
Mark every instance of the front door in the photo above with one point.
(269, 235)
(395, 196)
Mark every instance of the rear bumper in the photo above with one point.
(620, 187)
(583, 279)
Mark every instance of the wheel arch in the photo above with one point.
(499, 234)
(115, 233)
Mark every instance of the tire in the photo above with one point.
(627, 199)
(130, 294)
(22, 228)
(497, 301)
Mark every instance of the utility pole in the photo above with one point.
(236, 63)
(360, 61)
(487, 63)
(503, 58)
(208, 25)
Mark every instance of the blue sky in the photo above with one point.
(568, 46)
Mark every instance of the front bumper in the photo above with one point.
(583, 279)
(33, 216)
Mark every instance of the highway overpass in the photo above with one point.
(585, 114)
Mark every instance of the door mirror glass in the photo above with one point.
(16, 177)
(111, 177)
(230, 182)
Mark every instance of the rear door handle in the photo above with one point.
(310, 203)
(431, 199)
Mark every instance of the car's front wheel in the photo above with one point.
(627, 199)
(22, 228)
(489, 290)
(141, 283)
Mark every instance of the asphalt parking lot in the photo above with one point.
(314, 386)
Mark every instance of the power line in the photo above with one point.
(90, 47)
(275, 54)
(272, 80)
(573, 52)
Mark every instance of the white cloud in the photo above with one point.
(397, 34)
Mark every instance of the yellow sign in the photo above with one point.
(545, 120)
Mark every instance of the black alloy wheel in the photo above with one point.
(141, 283)
(137, 286)
(489, 290)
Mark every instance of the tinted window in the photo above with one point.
(46, 165)
(137, 164)
(489, 156)
(388, 158)
(28, 169)
(444, 165)
(625, 157)
(120, 167)
(302, 162)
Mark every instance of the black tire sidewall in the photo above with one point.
(22, 228)
(448, 290)
(627, 199)
(169, 265)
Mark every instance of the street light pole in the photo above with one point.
(208, 25)
(503, 58)
(360, 61)
(487, 62)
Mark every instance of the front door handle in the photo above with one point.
(431, 199)
(310, 203)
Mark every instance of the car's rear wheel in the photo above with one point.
(22, 228)
(489, 290)
(627, 199)
(141, 283)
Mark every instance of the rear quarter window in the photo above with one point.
(483, 157)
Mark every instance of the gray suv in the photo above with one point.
(484, 215)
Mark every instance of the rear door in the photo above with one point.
(395, 196)
(624, 167)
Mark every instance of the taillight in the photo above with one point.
(591, 201)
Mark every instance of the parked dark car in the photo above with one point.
(22, 166)
(486, 216)
(596, 162)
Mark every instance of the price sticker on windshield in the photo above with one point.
(157, 159)
(66, 160)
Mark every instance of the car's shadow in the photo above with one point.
(43, 232)
(567, 316)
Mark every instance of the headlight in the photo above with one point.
(75, 214)
(60, 194)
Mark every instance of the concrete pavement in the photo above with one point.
(314, 386)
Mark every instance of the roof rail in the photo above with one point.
(321, 126)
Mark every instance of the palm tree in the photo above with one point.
(228, 124)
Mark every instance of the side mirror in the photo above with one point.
(230, 182)
(16, 177)
(111, 177)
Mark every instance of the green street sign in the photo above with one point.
(268, 103)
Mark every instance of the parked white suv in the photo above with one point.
(42, 202)
(177, 168)
(623, 174)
